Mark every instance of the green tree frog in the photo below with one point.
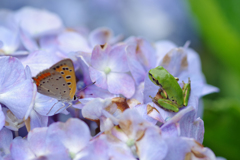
(170, 96)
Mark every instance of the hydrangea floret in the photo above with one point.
(114, 117)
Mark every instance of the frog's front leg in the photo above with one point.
(186, 92)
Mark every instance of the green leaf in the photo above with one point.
(222, 121)
(220, 27)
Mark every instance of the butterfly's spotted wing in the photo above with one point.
(66, 69)
(52, 84)
(58, 82)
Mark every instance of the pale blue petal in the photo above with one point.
(118, 58)
(100, 36)
(121, 83)
(99, 77)
(6, 138)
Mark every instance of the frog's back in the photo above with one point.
(165, 80)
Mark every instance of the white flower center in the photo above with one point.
(107, 70)
(72, 155)
(130, 142)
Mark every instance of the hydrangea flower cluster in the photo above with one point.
(114, 118)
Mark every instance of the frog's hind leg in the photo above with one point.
(154, 100)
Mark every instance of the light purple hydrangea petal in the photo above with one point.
(99, 77)
(175, 61)
(209, 89)
(152, 146)
(7, 19)
(28, 73)
(97, 148)
(131, 122)
(43, 104)
(74, 134)
(84, 65)
(194, 61)
(27, 41)
(150, 89)
(172, 126)
(185, 121)
(197, 130)
(97, 92)
(100, 36)
(37, 120)
(11, 121)
(142, 110)
(182, 148)
(72, 41)
(106, 123)
(93, 109)
(46, 22)
(116, 151)
(7, 157)
(19, 104)
(37, 61)
(177, 148)
(100, 57)
(164, 114)
(48, 43)
(28, 76)
(37, 140)
(2, 118)
(117, 148)
(162, 48)
(144, 52)
(198, 85)
(14, 83)
(103, 148)
(45, 147)
(118, 58)
(121, 83)
(170, 130)
(92, 90)
(20, 149)
(138, 95)
(137, 70)
(1, 44)
(9, 39)
(198, 148)
(13, 71)
(6, 138)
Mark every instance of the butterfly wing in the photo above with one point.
(66, 69)
(52, 84)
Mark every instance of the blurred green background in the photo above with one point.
(218, 22)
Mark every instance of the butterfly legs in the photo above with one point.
(70, 104)
(52, 107)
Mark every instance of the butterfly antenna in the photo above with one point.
(52, 108)
(87, 86)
